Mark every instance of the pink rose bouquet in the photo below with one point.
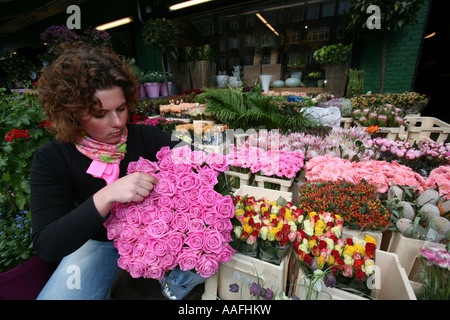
(183, 222)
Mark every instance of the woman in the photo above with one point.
(76, 178)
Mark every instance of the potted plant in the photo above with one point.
(24, 130)
(204, 68)
(335, 58)
(296, 66)
(161, 34)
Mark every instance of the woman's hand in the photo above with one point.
(133, 187)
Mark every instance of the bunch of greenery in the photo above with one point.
(333, 54)
(24, 128)
(252, 109)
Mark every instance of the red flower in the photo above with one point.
(322, 244)
(349, 241)
(370, 250)
(17, 134)
(360, 275)
(358, 263)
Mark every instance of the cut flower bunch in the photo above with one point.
(357, 204)
(272, 224)
(184, 221)
(435, 274)
(319, 246)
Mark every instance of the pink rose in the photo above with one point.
(143, 236)
(222, 225)
(187, 259)
(165, 187)
(196, 211)
(166, 215)
(149, 214)
(195, 240)
(150, 258)
(181, 168)
(122, 263)
(124, 247)
(347, 271)
(196, 224)
(181, 203)
(225, 207)
(213, 241)
(181, 155)
(192, 194)
(162, 153)
(139, 249)
(165, 202)
(129, 233)
(158, 228)
(217, 162)
(207, 265)
(225, 254)
(143, 165)
(136, 267)
(198, 157)
(208, 176)
(166, 164)
(209, 216)
(175, 240)
(208, 196)
(155, 272)
(168, 261)
(134, 216)
(188, 181)
(158, 246)
(180, 221)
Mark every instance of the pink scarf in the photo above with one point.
(105, 157)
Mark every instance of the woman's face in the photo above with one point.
(108, 122)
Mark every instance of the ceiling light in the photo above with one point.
(430, 35)
(114, 24)
(267, 24)
(186, 4)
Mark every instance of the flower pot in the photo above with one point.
(278, 84)
(26, 281)
(292, 82)
(153, 89)
(164, 89)
(142, 92)
(265, 81)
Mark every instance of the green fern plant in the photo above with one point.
(247, 110)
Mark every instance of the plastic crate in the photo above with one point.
(390, 282)
(260, 193)
(284, 184)
(245, 270)
(426, 128)
(243, 178)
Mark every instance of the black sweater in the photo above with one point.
(63, 213)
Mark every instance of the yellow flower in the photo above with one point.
(320, 262)
(239, 212)
(369, 239)
(349, 250)
(311, 214)
(264, 209)
(248, 229)
(320, 226)
(312, 243)
(360, 249)
(271, 234)
(331, 260)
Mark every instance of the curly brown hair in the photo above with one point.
(66, 88)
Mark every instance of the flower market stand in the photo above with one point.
(390, 282)
(244, 270)
(426, 128)
(407, 250)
